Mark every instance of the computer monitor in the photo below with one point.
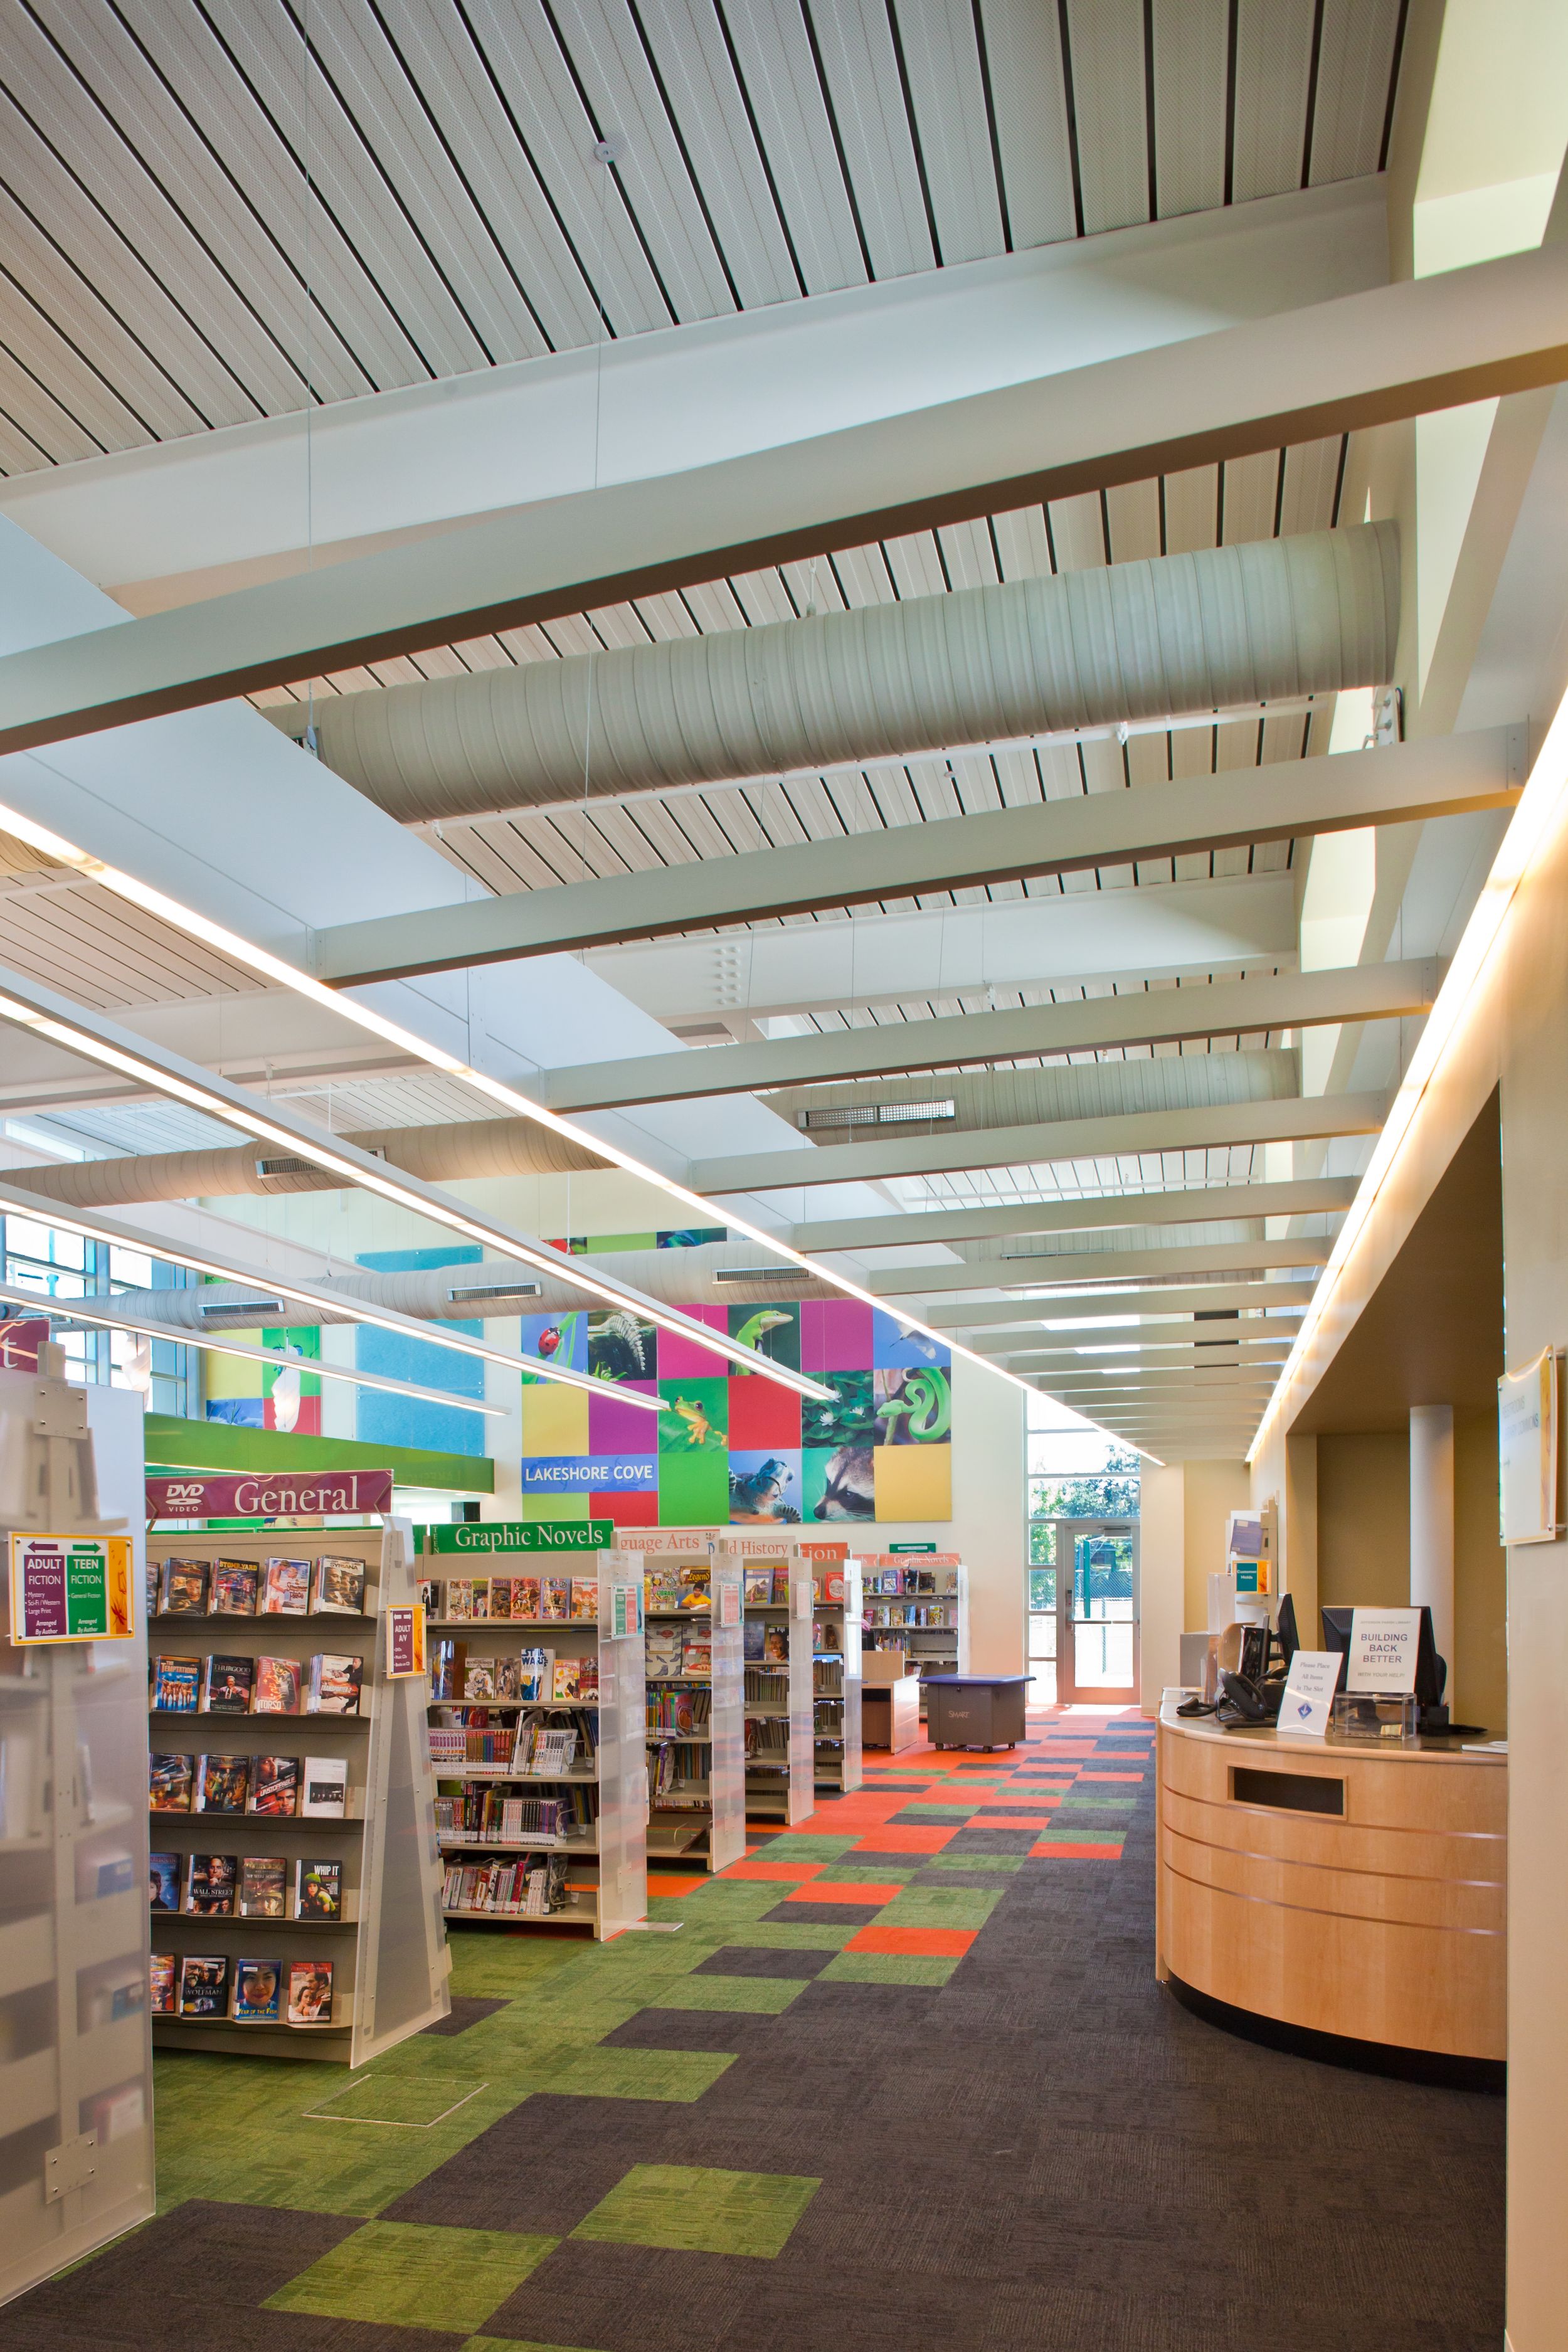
(1285, 1631)
(1431, 1671)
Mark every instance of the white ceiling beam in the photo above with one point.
(208, 511)
(1196, 1204)
(1095, 1265)
(1378, 992)
(1364, 359)
(1289, 1118)
(1089, 1356)
(1440, 777)
(1089, 1307)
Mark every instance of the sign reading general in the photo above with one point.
(271, 1495)
(70, 1587)
(522, 1535)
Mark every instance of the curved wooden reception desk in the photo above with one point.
(1335, 1888)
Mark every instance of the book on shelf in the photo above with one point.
(324, 1789)
(150, 1589)
(160, 1984)
(285, 1589)
(479, 1678)
(679, 1710)
(335, 1684)
(275, 1786)
(429, 1595)
(697, 1655)
(696, 1579)
(318, 1890)
(459, 1604)
(175, 1685)
(661, 1589)
(229, 1684)
(775, 1646)
(262, 1881)
(210, 1883)
(555, 1599)
(663, 1653)
(169, 1779)
(566, 1679)
(535, 1673)
(183, 1588)
(501, 1600)
(222, 1784)
(204, 1985)
(337, 1586)
(163, 1880)
(258, 1991)
(237, 1584)
(545, 1747)
(525, 1596)
(277, 1686)
(585, 1600)
(751, 1634)
(759, 1587)
(309, 1992)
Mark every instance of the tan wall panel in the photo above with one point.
(1363, 1519)
(1480, 1680)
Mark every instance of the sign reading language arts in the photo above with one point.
(271, 1495)
(1382, 1651)
(70, 1587)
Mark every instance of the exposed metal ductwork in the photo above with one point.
(710, 1273)
(953, 1103)
(459, 1148)
(1232, 626)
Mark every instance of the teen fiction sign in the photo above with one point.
(277, 1494)
(70, 1587)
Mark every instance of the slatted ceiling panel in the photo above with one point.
(784, 100)
(88, 194)
(35, 430)
(1191, 45)
(1311, 482)
(106, 953)
(715, 607)
(811, 587)
(863, 87)
(1025, 548)
(1356, 66)
(1061, 772)
(1191, 510)
(968, 554)
(863, 576)
(1022, 55)
(1132, 511)
(761, 597)
(914, 565)
(1109, 104)
(948, 94)
(1077, 532)
(1273, 74)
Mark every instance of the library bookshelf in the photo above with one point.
(372, 1911)
(536, 1737)
(776, 1670)
(695, 1727)
(918, 1603)
(835, 1666)
(76, 2059)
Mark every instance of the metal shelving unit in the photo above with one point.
(777, 1692)
(917, 1603)
(698, 1823)
(835, 1672)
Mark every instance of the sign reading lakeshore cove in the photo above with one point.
(70, 1587)
(271, 1495)
(522, 1535)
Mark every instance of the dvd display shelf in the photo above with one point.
(327, 1831)
(776, 1667)
(836, 1674)
(695, 1722)
(76, 2083)
(536, 1729)
(919, 1604)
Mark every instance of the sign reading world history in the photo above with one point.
(271, 1495)
(70, 1587)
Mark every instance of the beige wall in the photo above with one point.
(1213, 1490)
(1185, 1505)
(1364, 1520)
(1478, 1685)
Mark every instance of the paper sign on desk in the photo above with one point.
(1383, 1650)
(1309, 1691)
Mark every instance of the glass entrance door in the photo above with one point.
(1096, 1612)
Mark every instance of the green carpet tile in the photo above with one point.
(902, 2080)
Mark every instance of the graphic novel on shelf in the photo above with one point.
(285, 1589)
(222, 1784)
(318, 1890)
(275, 1786)
(337, 1586)
(309, 1992)
(556, 1598)
(210, 1882)
(229, 1684)
(235, 1585)
(262, 1881)
(258, 1991)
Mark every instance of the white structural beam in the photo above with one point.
(1444, 776)
(1095, 1265)
(1197, 1204)
(1158, 1353)
(1155, 1306)
(1363, 359)
(1157, 931)
(1378, 992)
(1285, 1120)
(196, 515)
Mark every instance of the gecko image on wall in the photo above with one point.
(730, 1448)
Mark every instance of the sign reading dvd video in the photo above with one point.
(70, 1587)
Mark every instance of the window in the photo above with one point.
(1075, 1472)
(63, 1266)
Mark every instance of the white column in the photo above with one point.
(1432, 1522)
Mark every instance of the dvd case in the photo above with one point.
(262, 1881)
(210, 1883)
(221, 1784)
(229, 1684)
(258, 1991)
(286, 1588)
(275, 1786)
(310, 1992)
(236, 1583)
(204, 1985)
(337, 1586)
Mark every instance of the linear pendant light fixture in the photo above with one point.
(47, 1014)
(95, 1227)
(281, 973)
(99, 1318)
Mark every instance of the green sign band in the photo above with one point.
(522, 1535)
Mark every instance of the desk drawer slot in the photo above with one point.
(1288, 1792)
